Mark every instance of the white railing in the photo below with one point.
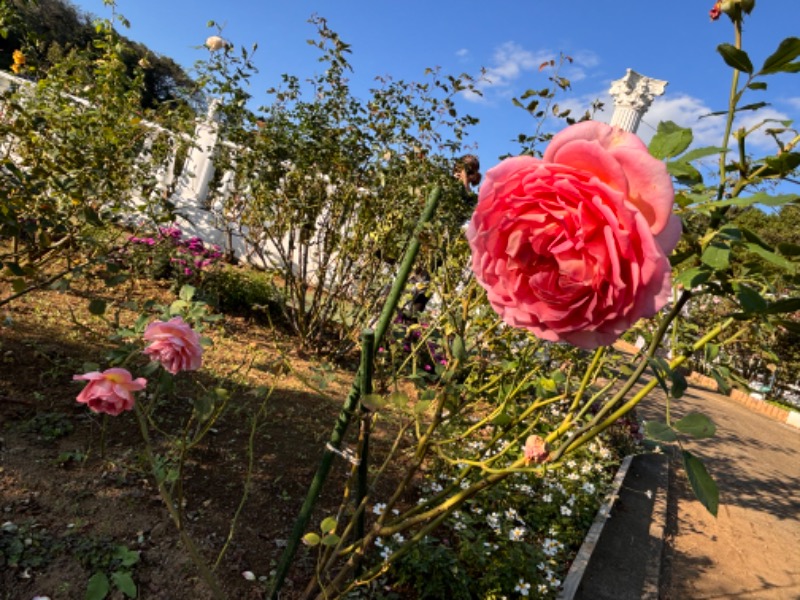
(200, 210)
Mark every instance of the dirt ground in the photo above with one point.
(66, 507)
(752, 549)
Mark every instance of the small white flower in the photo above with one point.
(398, 537)
(523, 587)
(379, 508)
(649, 494)
(379, 542)
(516, 534)
(588, 487)
(566, 511)
(249, 575)
(547, 498)
(512, 514)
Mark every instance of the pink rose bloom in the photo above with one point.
(574, 246)
(110, 391)
(536, 450)
(174, 344)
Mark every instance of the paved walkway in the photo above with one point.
(752, 549)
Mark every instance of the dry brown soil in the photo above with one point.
(58, 487)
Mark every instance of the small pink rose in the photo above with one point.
(174, 344)
(110, 391)
(574, 246)
(536, 450)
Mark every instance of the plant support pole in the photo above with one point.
(351, 402)
(367, 350)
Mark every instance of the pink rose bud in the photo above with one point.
(110, 391)
(215, 42)
(536, 450)
(574, 246)
(174, 344)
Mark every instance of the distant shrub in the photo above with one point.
(166, 254)
(244, 291)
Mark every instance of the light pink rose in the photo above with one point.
(110, 391)
(536, 450)
(174, 344)
(215, 42)
(574, 246)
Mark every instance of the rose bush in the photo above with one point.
(174, 344)
(110, 391)
(574, 246)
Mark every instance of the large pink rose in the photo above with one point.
(110, 391)
(574, 246)
(174, 344)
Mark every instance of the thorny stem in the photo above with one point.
(251, 452)
(169, 502)
(723, 155)
(625, 408)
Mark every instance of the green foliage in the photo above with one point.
(541, 106)
(49, 426)
(703, 485)
(432, 570)
(27, 546)
(331, 185)
(49, 30)
(242, 291)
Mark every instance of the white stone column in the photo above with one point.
(199, 167)
(633, 95)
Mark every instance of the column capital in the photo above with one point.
(636, 91)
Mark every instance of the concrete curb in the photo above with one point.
(620, 558)
(782, 415)
(578, 568)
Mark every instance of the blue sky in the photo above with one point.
(673, 40)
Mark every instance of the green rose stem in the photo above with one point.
(432, 518)
(632, 379)
(194, 553)
(737, 23)
(595, 427)
(351, 402)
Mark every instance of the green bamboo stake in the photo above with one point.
(367, 350)
(351, 402)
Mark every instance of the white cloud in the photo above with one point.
(462, 53)
(793, 102)
(511, 62)
(691, 112)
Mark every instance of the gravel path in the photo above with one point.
(752, 548)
